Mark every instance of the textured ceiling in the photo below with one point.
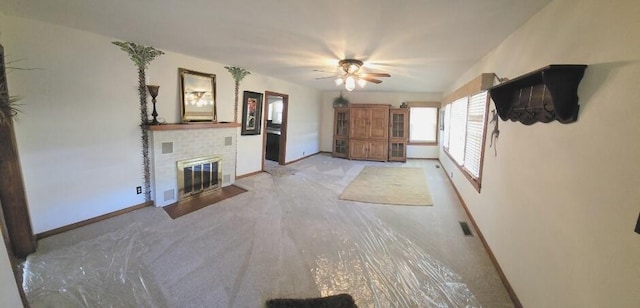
(423, 44)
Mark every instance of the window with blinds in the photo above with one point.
(476, 110)
(458, 130)
(447, 124)
(423, 125)
(464, 131)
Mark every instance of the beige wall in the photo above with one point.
(362, 97)
(78, 133)
(9, 296)
(303, 122)
(559, 203)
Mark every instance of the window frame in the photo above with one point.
(475, 182)
(435, 105)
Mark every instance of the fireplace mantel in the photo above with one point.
(192, 125)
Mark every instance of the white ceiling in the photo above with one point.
(423, 44)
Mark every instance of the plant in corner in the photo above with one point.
(238, 74)
(8, 106)
(340, 101)
(141, 56)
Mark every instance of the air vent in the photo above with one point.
(226, 178)
(167, 147)
(465, 228)
(228, 141)
(169, 195)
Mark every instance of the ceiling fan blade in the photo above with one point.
(324, 71)
(327, 77)
(378, 74)
(372, 80)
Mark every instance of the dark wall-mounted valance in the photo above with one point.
(544, 95)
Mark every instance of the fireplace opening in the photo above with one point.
(198, 175)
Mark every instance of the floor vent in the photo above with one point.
(465, 228)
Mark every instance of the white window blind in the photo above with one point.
(458, 130)
(475, 129)
(423, 124)
(447, 121)
(465, 124)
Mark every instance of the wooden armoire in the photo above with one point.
(370, 132)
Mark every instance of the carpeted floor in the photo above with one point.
(275, 169)
(286, 237)
(389, 185)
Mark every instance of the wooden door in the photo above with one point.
(397, 151)
(398, 134)
(341, 132)
(379, 121)
(340, 147)
(399, 123)
(360, 118)
(358, 149)
(341, 122)
(378, 150)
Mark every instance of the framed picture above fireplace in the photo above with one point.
(251, 113)
(198, 96)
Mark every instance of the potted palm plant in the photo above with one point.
(340, 101)
(8, 107)
(8, 104)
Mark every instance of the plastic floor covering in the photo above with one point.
(287, 237)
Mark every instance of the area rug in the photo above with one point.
(334, 301)
(389, 185)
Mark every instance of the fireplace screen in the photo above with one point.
(198, 175)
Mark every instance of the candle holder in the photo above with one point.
(153, 91)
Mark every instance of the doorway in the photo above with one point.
(275, 122)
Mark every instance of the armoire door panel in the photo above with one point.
(360, 119)
(358, 149)
(379, 123)
(378, 150)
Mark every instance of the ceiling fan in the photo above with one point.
(350, 72)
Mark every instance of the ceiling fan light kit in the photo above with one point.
(349, 83)
(351, 74)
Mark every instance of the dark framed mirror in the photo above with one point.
(197, 96)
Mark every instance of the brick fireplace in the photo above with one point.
(172, 143)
